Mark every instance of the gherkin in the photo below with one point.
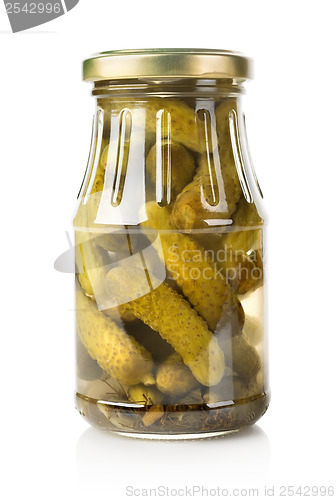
(241, 356)
(254, 330)
(171, 166)
(230, 388)
(116, 352)
(174, 377)
(193, 269)
(238, 249)
(165, 311)
(143, 394)
(239, 268)
(83, 276)
(215, 190)
(247, 223)
(212, 195)
(223, 111)
(244, 247)
(117, 314)
(180, 123)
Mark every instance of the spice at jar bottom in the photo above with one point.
(169, 249)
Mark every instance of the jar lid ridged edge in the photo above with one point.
(167, 63)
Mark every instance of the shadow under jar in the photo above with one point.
(169, 249)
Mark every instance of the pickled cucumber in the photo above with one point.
(174, 377)
(118, 314)
(165, 311)
(215, 189)
(223, 111)
(241, 356)
(241, 270)
(182, 123)
(117, 353)
(143, 394)
(238, 251)
(244, 245)
(247, 224)
(193, 269)
(176, 168)
(253, 329)
(230, 388)
(211, 196)
(151, 340)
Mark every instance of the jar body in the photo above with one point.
(170, 265)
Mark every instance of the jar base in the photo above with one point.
(173, 422)
(176, 437)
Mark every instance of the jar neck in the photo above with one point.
(186, 87)
(189, 112)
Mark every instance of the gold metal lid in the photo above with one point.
(167, 63)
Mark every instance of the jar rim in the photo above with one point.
(167, 63)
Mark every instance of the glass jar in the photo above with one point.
(169, 249)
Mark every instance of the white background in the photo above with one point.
(45, 121)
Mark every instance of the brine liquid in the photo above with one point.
(175, 402)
